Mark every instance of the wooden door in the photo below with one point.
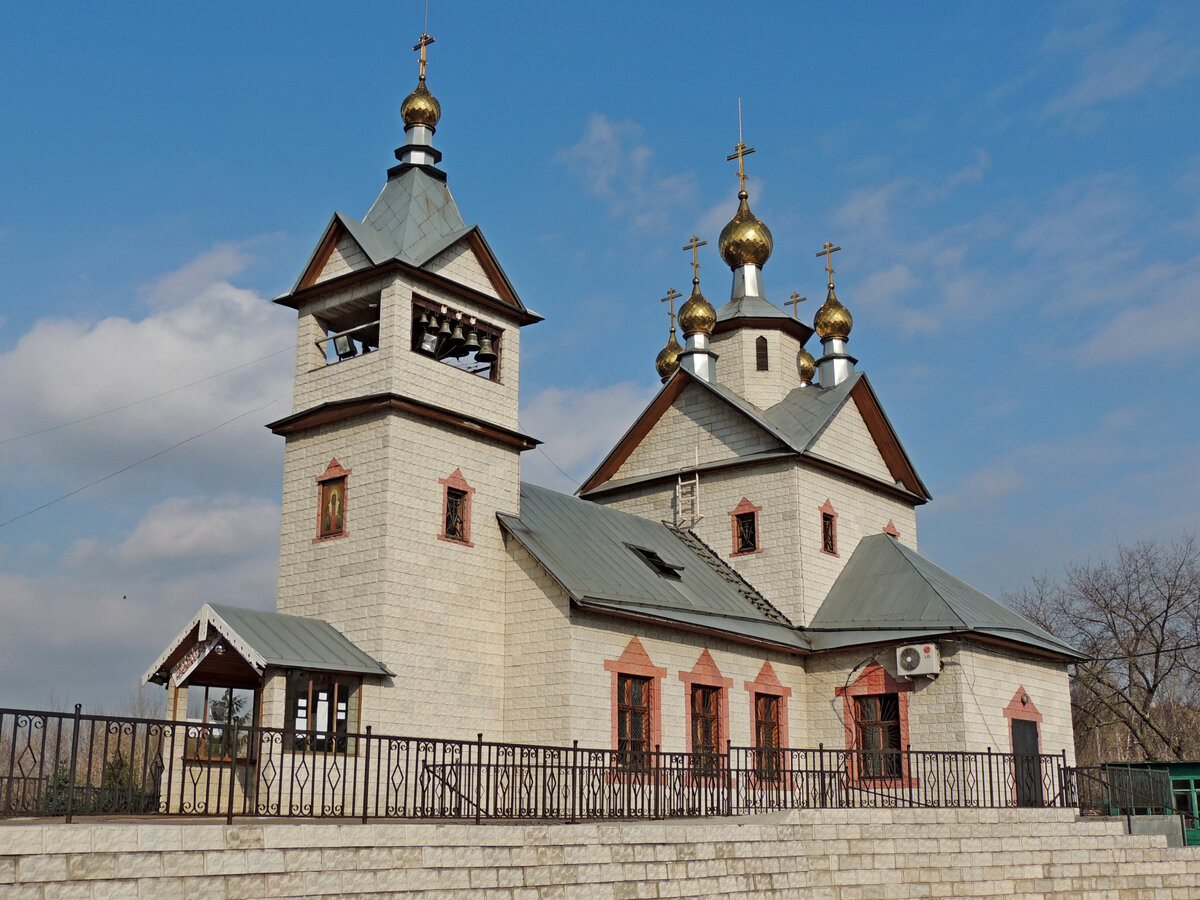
(1027, 763)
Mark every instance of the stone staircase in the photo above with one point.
(819, 854)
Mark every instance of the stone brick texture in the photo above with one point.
(792, 571)
(818, 854)
(737, 367)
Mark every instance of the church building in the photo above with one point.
(741, 568)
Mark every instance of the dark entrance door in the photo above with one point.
(1027, 764)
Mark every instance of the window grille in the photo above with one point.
(633, 721)
(878, 735)
(747, 532)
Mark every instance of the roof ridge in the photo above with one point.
(901, 548)
(718, 565)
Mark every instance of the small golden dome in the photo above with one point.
(697, 315)
(808, 366)
(745, 241)
(833, 320)
(421, 107)
(668, 358)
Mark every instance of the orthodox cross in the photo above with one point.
(740, 152)
(794, 303)
(695, 244)
(672, 296)
(827, 251)
(424, 41)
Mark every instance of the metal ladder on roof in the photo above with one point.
(687, 500)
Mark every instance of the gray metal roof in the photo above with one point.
(750, 308)
(277, 640)
(415, 216)
(886, 588)
(802, 415)
(587, 549)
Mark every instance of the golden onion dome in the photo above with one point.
(697, 315)
(808, 366)
(668, 358)
(421, 107)
(745, 241)
(833, 320)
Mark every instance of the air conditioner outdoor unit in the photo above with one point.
(918, 659)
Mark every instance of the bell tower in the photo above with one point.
(403, 442)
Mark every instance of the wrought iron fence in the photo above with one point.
(63, 764)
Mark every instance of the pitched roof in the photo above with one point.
(888, 591)
(599, 557)
(797, 422)
(413, 219)
(758, 312)
(271, 639)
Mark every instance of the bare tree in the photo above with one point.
(1138, 619)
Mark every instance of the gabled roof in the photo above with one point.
(796, 422)
(888, 592)
(758, 312)
(265, 639)
(589, 550)
(413, 219)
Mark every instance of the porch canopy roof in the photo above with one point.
(258, 640)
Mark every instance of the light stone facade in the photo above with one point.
(483, 639)
(479, 634)
(849, 854)
(346, 257)
(737, 366)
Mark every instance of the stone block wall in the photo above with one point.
(823, 855)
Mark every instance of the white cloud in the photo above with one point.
(1148, 59)
(199, 325)
(969, 174)
(611, 164)
(97, 618)
(584, 424)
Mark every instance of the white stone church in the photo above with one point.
(742, 567)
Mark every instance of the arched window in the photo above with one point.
(760, 353)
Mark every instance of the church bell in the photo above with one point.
(485, 353)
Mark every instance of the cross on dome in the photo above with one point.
(694, 245)
(794, 303)
(672, 296)
(424, 41)
(740, 152)
(827, 251)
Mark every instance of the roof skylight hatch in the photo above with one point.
(657, 563)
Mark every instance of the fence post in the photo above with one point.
(232, 771)
(574, 780)
(478, 778)
(366, 774)
(1062, 780)
(991, 781)
(728, 777)
(74, 762)
(821, 772)
(906, 773)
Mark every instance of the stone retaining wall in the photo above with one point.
(823, 855)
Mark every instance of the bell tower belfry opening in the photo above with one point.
(406, 386)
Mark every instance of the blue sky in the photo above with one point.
(1017, 189)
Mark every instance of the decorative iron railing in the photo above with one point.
(64, 764)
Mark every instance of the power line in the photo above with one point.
(574, 481)
(132, 465)
(173, 390)
(1163, 651)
